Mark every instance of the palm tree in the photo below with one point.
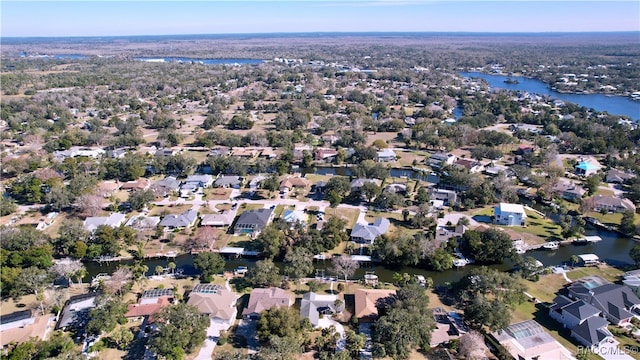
(172, 266)
(574, 259)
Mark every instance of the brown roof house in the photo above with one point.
(150, 303)
(215, 301)
(293, 182)
(264, 299)
(367, 301)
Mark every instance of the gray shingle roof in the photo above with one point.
(581, 310)
(593, 330)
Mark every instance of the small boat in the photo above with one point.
(460, 262)
(554, 245)
(421, 280)
(511, 81)
(241, 270)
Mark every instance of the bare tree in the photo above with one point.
(54, 298)
(472, 345)
(118, 280)
(68, 268)
(89, 204)
(344, 265)
(204, 238)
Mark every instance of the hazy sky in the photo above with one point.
(95, 18)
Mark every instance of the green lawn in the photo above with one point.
(611, 219)
(245, 207)
(372, 215)
(606, 272)
(545, 289)
(539, 226)
(280, 209)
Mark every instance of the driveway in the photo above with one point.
(247, 329)
(213, 333)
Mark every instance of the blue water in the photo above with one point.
(615, 105)
(71, 56)
(205, 61)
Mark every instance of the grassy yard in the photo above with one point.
(245, 207)
(161, 210)
(372, 215)
(606, 272)
(351, 215)
(539, 226)
(217, 194)
(545, 289)
(280, 209)
(611, 219)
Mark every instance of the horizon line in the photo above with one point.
(330, 32)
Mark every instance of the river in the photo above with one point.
(615, 105)
(203, 61)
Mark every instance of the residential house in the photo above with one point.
(386, 155)
(167, 152)
(184, 220)
(612, 204)
(166, 186)
(221, 219)
(314, 306)
(358, 183)
(472, 165)
(269, 153)
(593, 332)
(586, 168)
(367, 234)
(367, 301)
(396, 188)
(21, 326)
(631, 279)
(533, 129)
(114, 220)
(108, 188)
(252, 221)
(448, 197)
(293, 183)
(568, 190)
(298, 151)
(325, 155)
(140, 184)
(244, 152)
(524, 149)
(295, 216)
(143, 223)
(150, 303)
(118, 153)
(265, 299)
(228, 181)
(75, 313)
(510, 214)
(617, 302)
(76, 151)
(220, 151)
(439, 160)
(199, 180)
(615, 176)
(443, 234)
(215, 301)
(528, 340)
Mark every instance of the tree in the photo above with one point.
(298, 262)
(109, 311)
(172, 266)
(344, 266)
(627, 223)
(69, 233)
(209, 264)
(31, 280)
(491, 246)
(68, 268)
(159, 269)
(141, 198)
(271, 241)
(405, 324)
(264, 274)
(491, 313)
(281, 322)
(175, 322)
(574, 259)
(118, 280)
(91, 205)
(353, 343)
(122, 337)
(204, 238)
(470, 343)
(7, 206)
(634, 253)
(370, 190)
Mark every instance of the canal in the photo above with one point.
(613, 249)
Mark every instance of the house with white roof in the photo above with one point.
(509, 214)
(386, 155)
(184, 220)
(114, 220)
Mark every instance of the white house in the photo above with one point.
(509, 214)
(386, 155)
